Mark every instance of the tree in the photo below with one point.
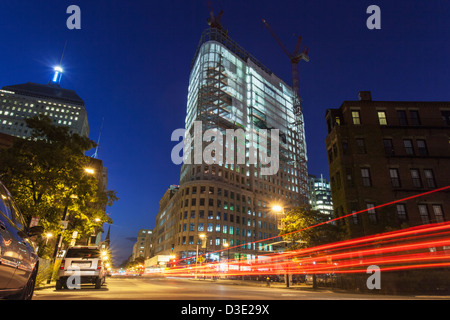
(136, 262)
(46, 175)
(307, 228)
(300, 231)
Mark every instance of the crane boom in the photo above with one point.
(295, 58)
(301, 162)
(213, 20)
(280, 43)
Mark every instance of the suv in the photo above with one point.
(81, 264)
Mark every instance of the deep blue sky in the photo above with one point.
(130, 63)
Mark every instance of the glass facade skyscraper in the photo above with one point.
(320, 195)
(229, 201)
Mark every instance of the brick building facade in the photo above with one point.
(383, 151)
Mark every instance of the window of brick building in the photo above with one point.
(365, 174)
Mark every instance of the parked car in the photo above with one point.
(81, 264)
(19, 262)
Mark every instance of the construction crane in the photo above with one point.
(295, 57)
(213, 20)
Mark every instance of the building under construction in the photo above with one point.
(224, 208)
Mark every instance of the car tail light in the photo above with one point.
(63, 262)
(99, 264)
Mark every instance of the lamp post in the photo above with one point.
(227, 245)
(64, 223)
(202, 236)
(280, 225)
(58, 244)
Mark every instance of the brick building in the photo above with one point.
(382, 151)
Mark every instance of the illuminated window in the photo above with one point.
(356, 117)
(382, 118)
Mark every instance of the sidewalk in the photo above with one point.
(297, 286)
(45, 285)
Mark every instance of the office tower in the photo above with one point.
(384, 151)
(22, 101)
(143, 246)
(229, 200)
(320, 195)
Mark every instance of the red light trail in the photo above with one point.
(425, 246)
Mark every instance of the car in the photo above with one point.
(80, 265)
(19, 263)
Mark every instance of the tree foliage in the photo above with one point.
(304, 228)
(136, 262)
(46, 174)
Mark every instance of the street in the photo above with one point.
(146, 288)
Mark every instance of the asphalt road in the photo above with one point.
(143, 288)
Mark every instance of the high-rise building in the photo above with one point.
(384, 151)
(143, 246)
(320, 195)
(226, 203)
(22, 101)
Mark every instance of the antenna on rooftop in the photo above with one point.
(58, 69)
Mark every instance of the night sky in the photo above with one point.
(130, 64)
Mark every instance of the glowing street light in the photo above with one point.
(89, 170)
(277, 208)
(48, 236)
(227, 245)
(202, 236)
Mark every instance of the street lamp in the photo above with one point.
(89, 170)
(64, 223)
(48, 236)
(202, 236)
(279, 209)
(227, 245)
